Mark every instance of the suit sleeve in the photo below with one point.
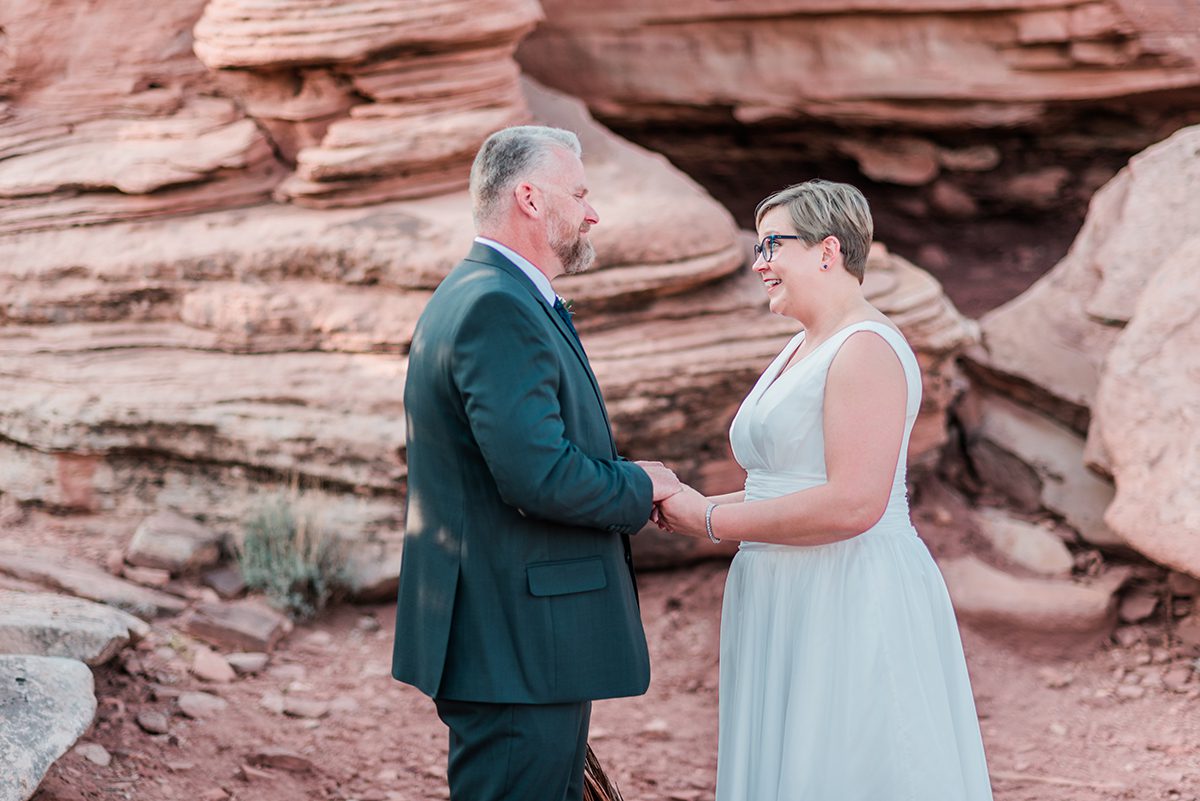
(508, 376)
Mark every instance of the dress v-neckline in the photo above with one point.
(804, 334)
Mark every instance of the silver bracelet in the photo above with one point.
(708, 522)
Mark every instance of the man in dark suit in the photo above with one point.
(517, 604)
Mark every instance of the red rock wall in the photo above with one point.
(216, 237)
(979, 130)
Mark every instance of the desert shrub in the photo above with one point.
(289, 557)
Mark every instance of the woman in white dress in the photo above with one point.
(842, 673)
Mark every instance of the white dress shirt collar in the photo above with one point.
(538, 277)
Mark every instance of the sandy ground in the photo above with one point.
(1053, 730)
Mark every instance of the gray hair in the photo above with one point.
(825, 208)
(508, 156)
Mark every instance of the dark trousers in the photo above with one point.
(516, 752)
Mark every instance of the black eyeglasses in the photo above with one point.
(769, 244)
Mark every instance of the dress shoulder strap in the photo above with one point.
(904, 352)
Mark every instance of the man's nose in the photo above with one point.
(589, 214)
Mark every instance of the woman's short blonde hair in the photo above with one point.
(826, 208)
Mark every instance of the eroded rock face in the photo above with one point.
(931, 106)
(143, 135)
(220, 104)
(1106, 345)
(201, 362)
(1018, 51)
(393, 98)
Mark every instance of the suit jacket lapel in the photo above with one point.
(486, 255)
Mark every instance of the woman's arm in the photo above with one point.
(865, 399)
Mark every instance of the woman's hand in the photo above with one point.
(683, 513)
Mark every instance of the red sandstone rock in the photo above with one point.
(85, 580)
(843, 61)
(437, 78)
(1146, 416)
(1041, 615)
(247, 625)
(242, 344)
(1110, 337)
(173, 543)
(208, 665)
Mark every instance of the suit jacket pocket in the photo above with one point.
(566, 576)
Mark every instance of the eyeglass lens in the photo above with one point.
(766, 248)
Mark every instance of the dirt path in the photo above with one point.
(1053, 731)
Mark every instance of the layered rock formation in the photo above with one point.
(321, 103)
(281, 358)
(1103, 350)
(142, 135)
(972, 125)
(373, 101)
(947, 63)
(195, 362)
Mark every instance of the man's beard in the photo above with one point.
(573, 249)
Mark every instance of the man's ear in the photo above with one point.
(528, 199)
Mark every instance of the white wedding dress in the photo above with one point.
(842, 675)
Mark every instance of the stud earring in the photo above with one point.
(824, 266)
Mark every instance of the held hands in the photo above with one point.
(663, 479)
(683, 513)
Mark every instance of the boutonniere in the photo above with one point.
(569, 305)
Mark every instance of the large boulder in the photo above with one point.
(1146, 416)
(46, 704)
(43, 624)
(1105, 346)
(1049, 346)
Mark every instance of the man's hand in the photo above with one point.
(663, 479)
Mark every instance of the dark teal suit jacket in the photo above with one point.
(516, 584)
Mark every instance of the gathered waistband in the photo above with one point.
(889, 526)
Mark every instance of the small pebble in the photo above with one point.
(152, 721)
(94, 753)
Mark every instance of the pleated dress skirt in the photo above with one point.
(842, 676)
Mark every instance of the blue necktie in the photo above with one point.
(565, 315)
